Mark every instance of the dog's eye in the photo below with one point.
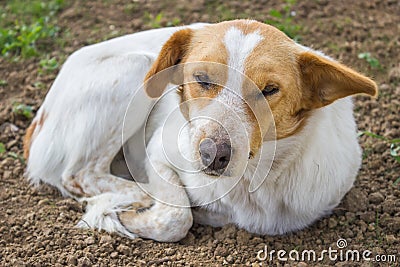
(203, 80)
(270, 89)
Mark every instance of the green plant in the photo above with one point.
(22, 39)
(39, 85)
(378, 228)
(153, 21)
(30, 10)
(373, 62)
(131, 7)
(2, 148)
(283, 20)
(3, 82)
(394, 151)
(174, 22)
(224, 12)
(394, 143)
(394, 146)
(25, 26)
(10, 154)
(48, 65)
(16, 156)
(22, 109)
(221, 11)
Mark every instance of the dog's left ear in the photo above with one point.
(325, 81)
(171, 54)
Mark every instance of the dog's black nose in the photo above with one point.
(215, 154)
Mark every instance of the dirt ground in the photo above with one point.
(37, 224)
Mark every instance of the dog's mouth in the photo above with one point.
(214, 173)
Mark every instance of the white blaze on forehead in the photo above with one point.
(239, 46)
(226, 110)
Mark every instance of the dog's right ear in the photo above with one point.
(170, 56)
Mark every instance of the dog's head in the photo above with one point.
(238, 79)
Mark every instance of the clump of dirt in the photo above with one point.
(37, 224)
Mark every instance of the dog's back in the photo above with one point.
(64, 133)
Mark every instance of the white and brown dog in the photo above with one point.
(251, 128)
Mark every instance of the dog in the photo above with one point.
(232, 122)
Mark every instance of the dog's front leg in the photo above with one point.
(157, 210)
(169, 218)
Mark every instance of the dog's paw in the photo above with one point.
(101, 212)
(133, 217)
(158, 222)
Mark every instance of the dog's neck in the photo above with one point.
(278, 157)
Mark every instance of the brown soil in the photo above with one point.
(37, 225)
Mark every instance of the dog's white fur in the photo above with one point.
(84, 115)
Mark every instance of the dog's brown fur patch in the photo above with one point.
(28, 139)
(172, 53)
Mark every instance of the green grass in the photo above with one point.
(3, 152)
(394, 143)
(394, 151)
(2, 148)
(153, 21)
(222, 11)
(131, 7)
(283, 20)
(31, 10)
(377, 136)
(16, 156)
(48, 65)
(174, 22)
(25, 26)
(379, 235)
(373, 62)
(3, 82)
(39, 85)
(22, 40)
(23, 110)
(394, 147)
